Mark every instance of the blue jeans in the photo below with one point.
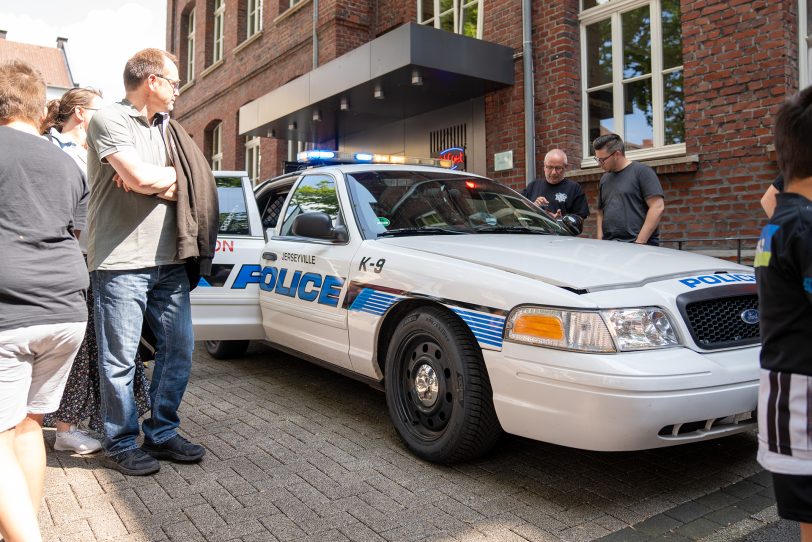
(122, 299)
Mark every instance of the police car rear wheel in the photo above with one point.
(226, 349)
(437, 389)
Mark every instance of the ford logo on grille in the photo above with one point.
(750, 316)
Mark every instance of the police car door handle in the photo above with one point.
(269, 256)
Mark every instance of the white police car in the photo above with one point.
(477, 313)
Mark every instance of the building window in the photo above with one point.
(190, 46)
(217, 147)
(219, 17)
(458, 16)
(254, 17)
(252, 158)
(632, 78)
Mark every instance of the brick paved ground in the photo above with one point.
(296, 452)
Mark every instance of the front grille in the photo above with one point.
(718, 323)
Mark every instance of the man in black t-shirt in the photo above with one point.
(630, 197)
(784, 275)
(555, 193)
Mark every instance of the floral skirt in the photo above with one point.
(81, 400)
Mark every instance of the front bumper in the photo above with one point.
(626, 401)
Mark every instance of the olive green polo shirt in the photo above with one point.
(126, 230)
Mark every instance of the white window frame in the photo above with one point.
(253, 158)
(190, 46)
(293, 3)
(804, 45)
(613, 11)
(458, 9)
(254, 17)
(217, 147)
(218, 30)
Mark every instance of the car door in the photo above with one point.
(304, 279)
(225, 304)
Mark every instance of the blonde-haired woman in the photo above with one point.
(66, 126)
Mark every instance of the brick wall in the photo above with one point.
(740, 61)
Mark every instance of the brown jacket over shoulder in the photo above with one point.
(198, 209)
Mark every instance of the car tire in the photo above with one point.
(226, 349)
(438, 392)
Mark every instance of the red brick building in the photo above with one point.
(691, 85)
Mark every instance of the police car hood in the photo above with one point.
(571, 262)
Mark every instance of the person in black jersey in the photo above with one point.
(784, 275)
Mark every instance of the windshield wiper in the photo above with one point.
(419, 231)
(510, 229)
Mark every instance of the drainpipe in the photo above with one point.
(529, 91)
(315, 36)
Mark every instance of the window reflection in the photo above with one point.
(672, 34)
(637, 114)
(601, 113)
(599, 53)
(233, 212)
(636, 42)
(674, 108)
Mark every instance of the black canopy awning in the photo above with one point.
(411, 70)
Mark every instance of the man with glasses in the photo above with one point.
(630, 197)
(135, 270)
(555, 193)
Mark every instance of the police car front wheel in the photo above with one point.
(437, 388)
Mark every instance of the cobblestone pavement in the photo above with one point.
(296, 452)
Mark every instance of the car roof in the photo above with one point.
(356, 168)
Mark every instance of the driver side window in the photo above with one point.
(315, 193)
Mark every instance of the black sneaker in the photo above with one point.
(133, 463)
(177, 449)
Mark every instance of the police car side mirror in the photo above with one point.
(317, 225)
(573, 224)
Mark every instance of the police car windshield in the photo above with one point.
(405, 202)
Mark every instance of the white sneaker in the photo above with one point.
(77, 441)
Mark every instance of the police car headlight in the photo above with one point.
(640, 328)
(584, 331)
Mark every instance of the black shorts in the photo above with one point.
(793, 493)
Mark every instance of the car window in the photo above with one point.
(233, 210)
(314, 193)
(410, 201)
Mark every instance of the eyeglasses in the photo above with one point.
(555, 168)
(175, 84)
(601, 161)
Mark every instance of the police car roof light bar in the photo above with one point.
(317, 156)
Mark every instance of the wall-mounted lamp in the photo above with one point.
(271, 133)
(417, 79)
(316, 116)
(345, 104)
(292, 126)
(378, 94)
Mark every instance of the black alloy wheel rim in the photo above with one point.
(425, 409)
